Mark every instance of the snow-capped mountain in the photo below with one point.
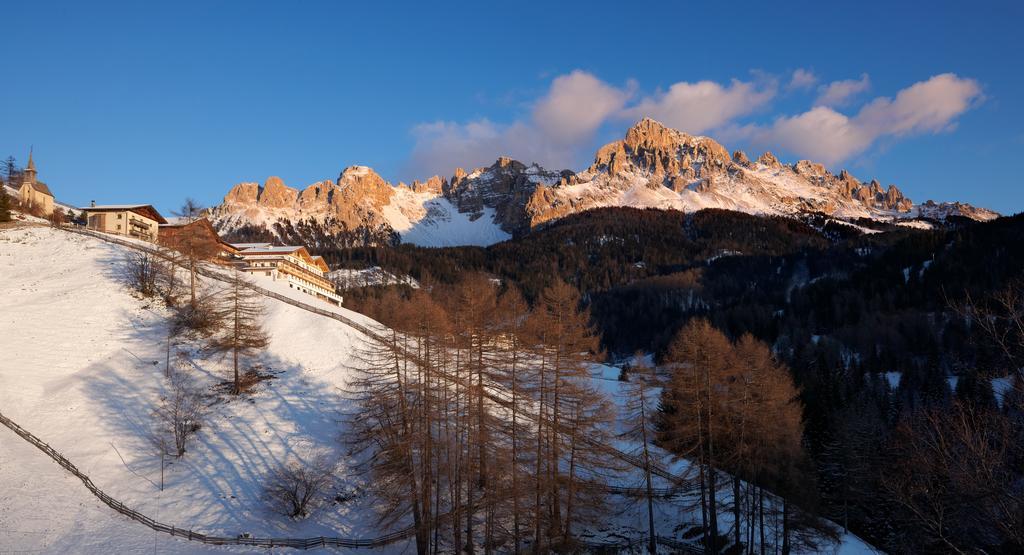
(653, 166)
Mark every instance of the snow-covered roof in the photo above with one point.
(113, 207)
(269, 249)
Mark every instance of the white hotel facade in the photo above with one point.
(291, 264)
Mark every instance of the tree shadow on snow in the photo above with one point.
(217, 486)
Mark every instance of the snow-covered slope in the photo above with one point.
(431, 220)
(82, 369)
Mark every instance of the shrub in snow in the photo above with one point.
(141, 272)
(294, 488)
(200, 317)
(179, 416)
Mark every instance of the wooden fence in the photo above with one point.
(298, 543)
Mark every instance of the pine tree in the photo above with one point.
(511, 318)
(701, 357)
(641, 408)
(194, 247)
(573, 415)
(239, 312)
(5, 204)
(12, 173)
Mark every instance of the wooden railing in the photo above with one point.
(298, 543)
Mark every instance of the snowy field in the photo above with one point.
(82, 368)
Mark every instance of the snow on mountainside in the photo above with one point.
(653, 166)
(83, 370)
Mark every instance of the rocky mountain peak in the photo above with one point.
(435, 185)
(769, 159)
(740, 158)
(275, 194)
(359, 175)
(505, 187)
(809, 169)
(243, 194)
(672, 155)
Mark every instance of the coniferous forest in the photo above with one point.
(896, 352)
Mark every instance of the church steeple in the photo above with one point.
(30, 169)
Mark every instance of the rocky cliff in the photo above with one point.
(652, 166)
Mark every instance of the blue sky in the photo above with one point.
(141, 102)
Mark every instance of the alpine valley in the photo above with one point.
(653, 166)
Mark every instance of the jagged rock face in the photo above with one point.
(507, 186)
(654, 149)
(275, 194)
(652, 165)
(435, 185)
(740, 158)
(356, 199)
(657, 166)
(769, 160)
(809, 169)
(243, 194)
(942, 210)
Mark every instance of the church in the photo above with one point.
(34, 193)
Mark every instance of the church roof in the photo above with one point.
(31, 165)
(41, 187)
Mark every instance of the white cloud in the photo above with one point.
(926, 106)
(576, 105)
(838, 93)
(562, 124)
(704, 105)
(802, 79)
(442, 146)
(825, 135)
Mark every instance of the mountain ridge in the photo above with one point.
(652, 166)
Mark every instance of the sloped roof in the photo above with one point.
(256, 249)
(42, 188)
(321, 263)
(146, 210)
(202, 223)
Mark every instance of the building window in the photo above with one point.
(118, 226)
(119, 217)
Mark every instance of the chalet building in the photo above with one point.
(290, 264)
(141, 221)
(34, 194)
(200, 237)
